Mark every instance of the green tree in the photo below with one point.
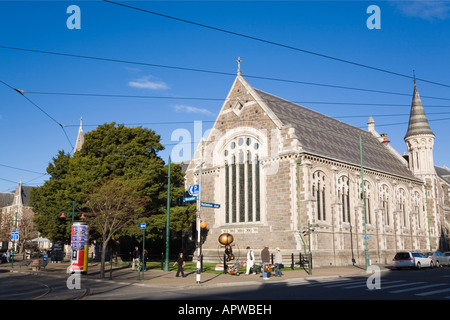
(110, 151)
(112, 206)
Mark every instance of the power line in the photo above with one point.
(277, 44)
(21, 92)
(211, 72)
(26, 170)
(222, 99)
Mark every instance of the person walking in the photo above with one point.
(136, 256)
(250, 261)
(180, 262)
(265, 258)
(278, 262)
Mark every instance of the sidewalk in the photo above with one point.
(167, 279)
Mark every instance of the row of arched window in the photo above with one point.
(401, 202)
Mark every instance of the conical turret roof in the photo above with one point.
(418, 122)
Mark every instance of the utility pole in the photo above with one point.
(166, 266)
(198, 217)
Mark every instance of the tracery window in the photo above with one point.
(344, 197)
(242, 181)
(401, 203)
(417, 204)
(367, 202)
(384, 201)
(318, 192)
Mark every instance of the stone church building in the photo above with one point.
(278, 169)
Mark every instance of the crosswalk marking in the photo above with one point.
(432, 292)
(401, 285)
(365, 284)
(418, 288)
(346, 283)
(394, 286)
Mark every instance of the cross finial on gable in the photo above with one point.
(239, 65)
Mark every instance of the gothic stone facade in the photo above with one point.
(276, 167)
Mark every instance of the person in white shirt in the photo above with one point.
(250, 260)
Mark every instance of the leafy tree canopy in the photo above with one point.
(110, 151)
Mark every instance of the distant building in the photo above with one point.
(276, 167)
(16, 213)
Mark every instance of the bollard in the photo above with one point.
(224, 264)
(110, 267)
(292, 261)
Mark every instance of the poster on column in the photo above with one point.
(79, 244)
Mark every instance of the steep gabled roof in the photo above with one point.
(443, 173)
(330, 138)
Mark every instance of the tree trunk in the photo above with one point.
(102, 261)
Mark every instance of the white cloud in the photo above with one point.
(145, 83)
(189, 109)
(425, 9)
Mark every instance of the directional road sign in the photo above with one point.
(14, 235)
(210, 205)
(194, 189)
(143, 226)
(193, 198)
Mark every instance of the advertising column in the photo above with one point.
(80, 242)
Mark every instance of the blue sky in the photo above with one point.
(413, 36)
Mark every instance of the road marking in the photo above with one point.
(345, 283)
(401, 285)
(432, 292)
(365, 284)
(418, 288)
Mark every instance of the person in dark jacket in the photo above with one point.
(265, 258)
(180, 262)
(136, 256)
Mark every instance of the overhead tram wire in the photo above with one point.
(222, 99)
(21, 92)
(210, 72)
(278, 44)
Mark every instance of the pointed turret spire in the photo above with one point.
(418, 123)
(80, 137)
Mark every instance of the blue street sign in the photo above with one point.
(143, 226)
(14, 235)
(366, 238)
(210, 205)
(193, 198)
(194, 189)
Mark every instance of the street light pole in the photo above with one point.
(364, 204)
(166, 266)
(198, 225)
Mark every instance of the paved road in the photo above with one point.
(394, 285)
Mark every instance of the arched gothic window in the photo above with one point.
(242, 180)
(367, 203)
(344, 197)
(318, 192)
(417, 205)
(401, 204)
(384, 201)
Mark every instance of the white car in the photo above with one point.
(408, 259)
(439, 259)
